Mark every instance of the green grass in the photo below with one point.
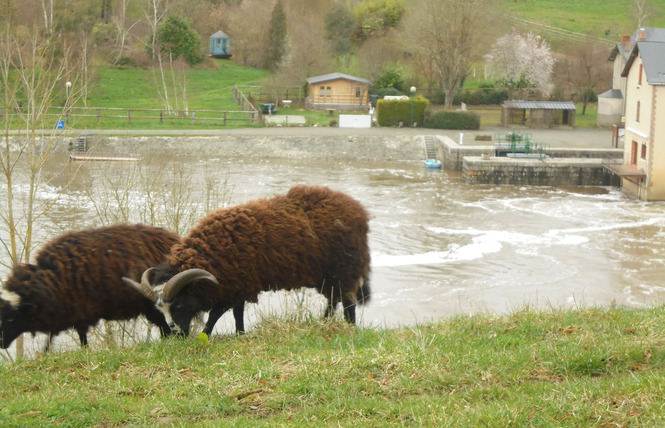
(588, 367)
(592, 17)
(207, 88)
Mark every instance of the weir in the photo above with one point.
(561, 166)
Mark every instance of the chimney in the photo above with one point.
(640, 38)
(625, 40)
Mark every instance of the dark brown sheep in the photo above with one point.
(311, 237)
(78, 280)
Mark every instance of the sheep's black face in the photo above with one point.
(178, 313)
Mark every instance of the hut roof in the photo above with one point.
(540, 105)
(335, 76)
(219, 35)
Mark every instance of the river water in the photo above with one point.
(439, 247)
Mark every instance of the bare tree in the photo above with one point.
(155, 11)
(248, 23)
(522, 60)
(31, 77)
(302, 56)
(47, 9)
(641, 10)
(119, 21)
(450, 35)
(585, 70)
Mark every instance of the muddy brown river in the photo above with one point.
(439, 247)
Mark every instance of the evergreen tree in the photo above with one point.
(177, 37)
(275, 45)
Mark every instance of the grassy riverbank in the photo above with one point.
(590, 367)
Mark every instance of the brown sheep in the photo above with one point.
(311, 237)
(78, 280)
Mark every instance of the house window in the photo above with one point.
(639, 77)
(637, 113)
(322, 91)
(357, 91)
(329, 91)
(643, 153)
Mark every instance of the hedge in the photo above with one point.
(392, 112)
(452, 120)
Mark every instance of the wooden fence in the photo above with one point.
(262, 95)
(98, 114)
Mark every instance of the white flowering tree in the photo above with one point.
(522, 60)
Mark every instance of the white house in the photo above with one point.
(611, 103)
(643, 169)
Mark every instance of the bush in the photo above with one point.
(391, 113)
(452, 120)
(125, 62)
(481, 96)
(484, 96)
(382, 92)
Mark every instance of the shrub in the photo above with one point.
(391, 113)
(452, 120)
(382, 92)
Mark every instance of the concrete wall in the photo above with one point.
(399, 147)
(610, 111)
(537, 172)
(453, 154)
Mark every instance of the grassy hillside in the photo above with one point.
(206, 88)
(589, 367)
(592, 17)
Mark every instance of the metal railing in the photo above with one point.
(98, 114)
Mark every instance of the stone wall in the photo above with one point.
(403, 148)
(537, 172)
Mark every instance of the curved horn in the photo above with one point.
(178, 282)
(142, 288)
(145, 278)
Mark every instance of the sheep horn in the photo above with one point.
(145, 278)
(143, 288)
(178, 282)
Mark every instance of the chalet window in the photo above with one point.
(637, 113)
(643, 153)
(639, 77)
(357, 91)
(322, 91)
(329, 93)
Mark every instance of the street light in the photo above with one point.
(68, 86)
(413, 93)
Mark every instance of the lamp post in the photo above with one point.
(68, 86)
(413, 93)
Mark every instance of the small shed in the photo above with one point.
(538, 114)
(220, 45)
(338, 91)
(610, 108)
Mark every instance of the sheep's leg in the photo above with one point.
(157, 318)
(349, 311)
(239, 316)
(49, 340)
(83, 335)
(330, 309)
(216, 312)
